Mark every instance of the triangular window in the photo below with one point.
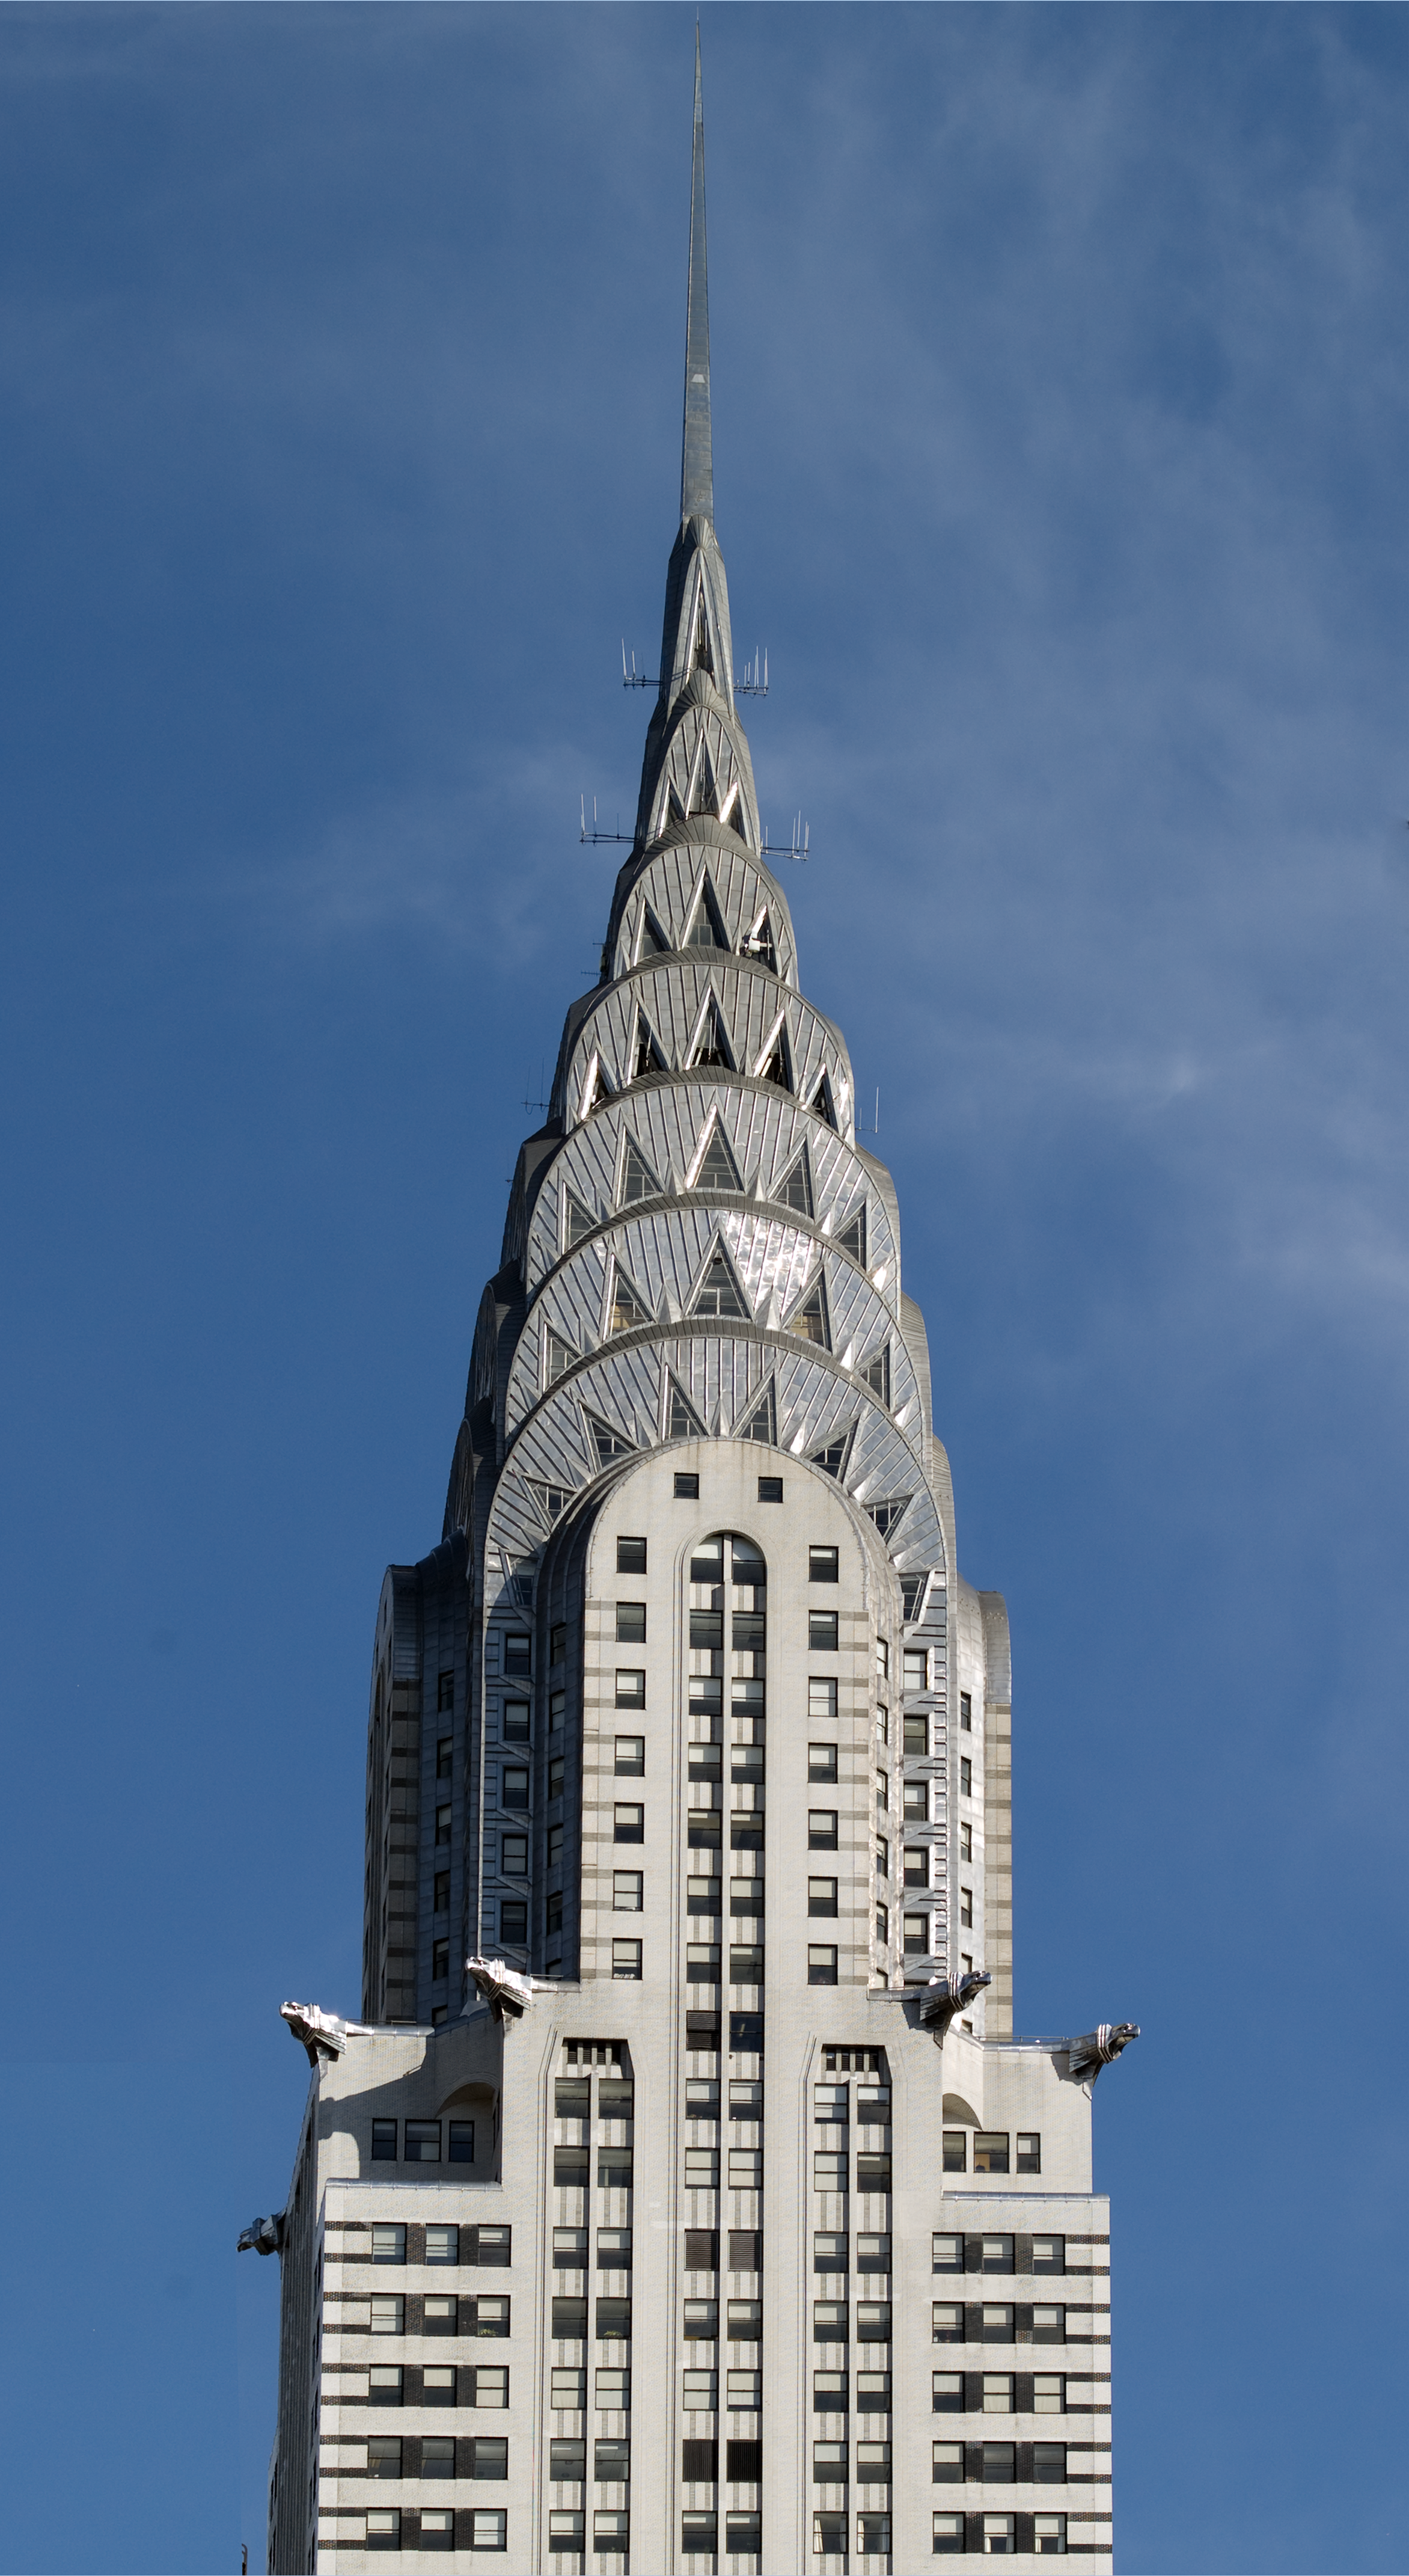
(712, 1044)
(759, 942)
(579, 1221)
(558, 1356)
(809, 1320)
(608, 1442)
(717, 1167)
(821, 1104)
(876, 1373)
(646, 1056)
(706, 922)
(628, 1309)
(762, 1423)
(653, 941)
(705, 799)
(681, 1420)
(702, 657)
(731, 812)
(675, 804)
(719, 1292)
(852, 1237)
(832, 1456)
(796, 1191)
(638, 1181)
(887, 1515)
(776, 1064)
(912, 1592)
(552, 1500)
(595, 1090)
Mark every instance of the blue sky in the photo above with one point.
(1060, 388)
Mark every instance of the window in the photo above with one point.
(966, 1842)
(745, 2249)
(488, 2316)
(388, 2243)
(882, 1857)
(916, 1802)
(873, 2534)
(611, 2462)
(948, 2322)
(441, 1894)
(829, 2535)
(491, 2388)
(966, 1777)
(948, 2531)
(829, 2464)
(746, 2033)
(687, 1488)
(384, 2529)
(947, 2463)
(1000, 2534)
(699, 2389)
(1049, 2464)
(916, 1664)
(1029, 2151)
(631, 1556)
(1049, 2253)
(445, 1758)
(555, 1842)
(627, 1885)
(882, 1659)
(489, 2457)
(513, 1920)
(1049, 2325)
(629, 1824)
(882, 1797)
(567, 2391)
(744, 2389)
(821, 1964)
(630, 1689)
(442, 2316)
(437, 2456)
(821, 1896)
(947, 2388)
(438, 2385)
(822, 1632)
(821, 1696)
(462, 2144)
(883, 1925)
(557, 1642)
(947, 2252)
(883, 1725)
(442, 1824)
(384, 2384)
(954, 2150)
(770, 1489)
(917, 1737)
(966, 1905)
(513, 1855)
(872, 2253)
(821, 1829)
(567, 2458)
(699, 2532)
(822, 1565)
(384, 2456)
(997, 2325)
(613, 2248)
(437, 2529)
(998, 2393)
(821, 1762)
(744, 2322)
(630, 1759)
(873, 2463)
(514, 1726)
(917, 1865)
(829, 2392)
(991, 2151)
(555, 1778)
(514, 1787)
(743, 2534)
(388, 2316)
(565, 2530)
(829, 2250)
(746, 1967)
(701, 2168)
(487, 2530)
(1049, 2535)
(423, 2142)
(966, 1711)
(701, 2249)
(631, 1623)
(872, 2320)
(998, 2254)
(557, 1703)
(626, 1960)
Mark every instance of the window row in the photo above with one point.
(991, 2151)
(567, 2390)
(699, 2532)
(402, 2384)
(1000, 2463)
(567, 2460)
(388, 2315)
(954, 2324)
(1001, 2535)
(961, 2392)
(572, 2168)
(872, 2535)
(823, 1564)
(831, 2251)
(392, 2529)
(612, 2320)
(437, 2456)
(485, 2245)
(829, 2171)
(616, 2096)
(831, 2320)
(422, 2141)
(831, 2464)
(998, 2253)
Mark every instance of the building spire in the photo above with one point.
(697, 471)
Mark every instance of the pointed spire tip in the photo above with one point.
(697, 464)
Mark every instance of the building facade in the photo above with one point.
(682, 2200)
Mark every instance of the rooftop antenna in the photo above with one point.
(796, 848)
(634, 679)
(538, 1104)
(595, 834)
(754, 683)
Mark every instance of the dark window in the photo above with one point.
(566, 2458)
(558, 1641)
(702, 2249)
(743, 2460)
(999, 2464)
(383, 2142)
(745, 2249)
(746, 2033)
(687, 1488)
(997, 2326)
(384, 2384)
(822, 1565)
(442, 1824)
(441, 2317)
(1029, 2151)
(699, 2460)
(1049, 2325)
(569, 2320)
(514, 1724)
(966, 1905)
(570, 2168)
(445, 1757)
(955, 2150)
(438, 2455)
(572, 2097)
(462, 2142)
(384, 2529)
(821, 1964)
(513, 1919)
(917, 1737)
(743, 2534)
(998, 2253)
(948, 2388)
(423, 2142)
(1049, 2253)
(699, 2532)
(706, 1628)
(702, 2030)
(821, 1762)
(770, 1489)
(513, 1855)
(829, 2535)
(445, 1692)
(966, 1711)
(440, 1962)
(631, 1556)
(518, 1654)
(611, 2462)
(966, 1778)
(1049, 2464)
(553, 1912)
(441, 1899)
(822, 1632)
(966, 1842)
(489, 2457)
(384, 2456)
(631, 1623)
(513, 1787)
(947, 2459)
(991, 2151)
(491, 2247)
(555, 1777)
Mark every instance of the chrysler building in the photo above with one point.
(681, 2198)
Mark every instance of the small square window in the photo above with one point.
(687, 1488)
(384, 2456)
(631, 1623)
(822, 1695)
(1049, 2254)
(947, 2322)
(628, 1823)
(1000, 2534)
(567, 2459)
(1049, 2394)
(630, 1688)
(518, 1654)
(388, 2244)
(514, 1786)
(1049, 2464)
(491, 2388)
(462, 2142)
(611, 2462)
(626, 1960)
(513, 1855)
(821, 1829)
(821, 1964)
(947, 2252)
(442, 2244)
(770, 1489)
(514, 1723)
(513, 1920)
(438, 2456)
(999, 2253)
(699, 2532)
(627, 1885)
(822, 1565)
(437, 2529)
(423, 2142)
(744, 2390)
(873, 2534)
(991, 2151)
(821, 1896)
(998, 2393)
(1029, 2151)
(948, 2530)
(384, 2528)
(947, 2392)
(947, 2463)
(916, 1668)
(384, 2384)
(966, 1711)
(631, 1556)
(630, 1756)
(822, 1632)
(1049, 2535)
(489, 2530)
(746, 2033)
(829, 2535)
